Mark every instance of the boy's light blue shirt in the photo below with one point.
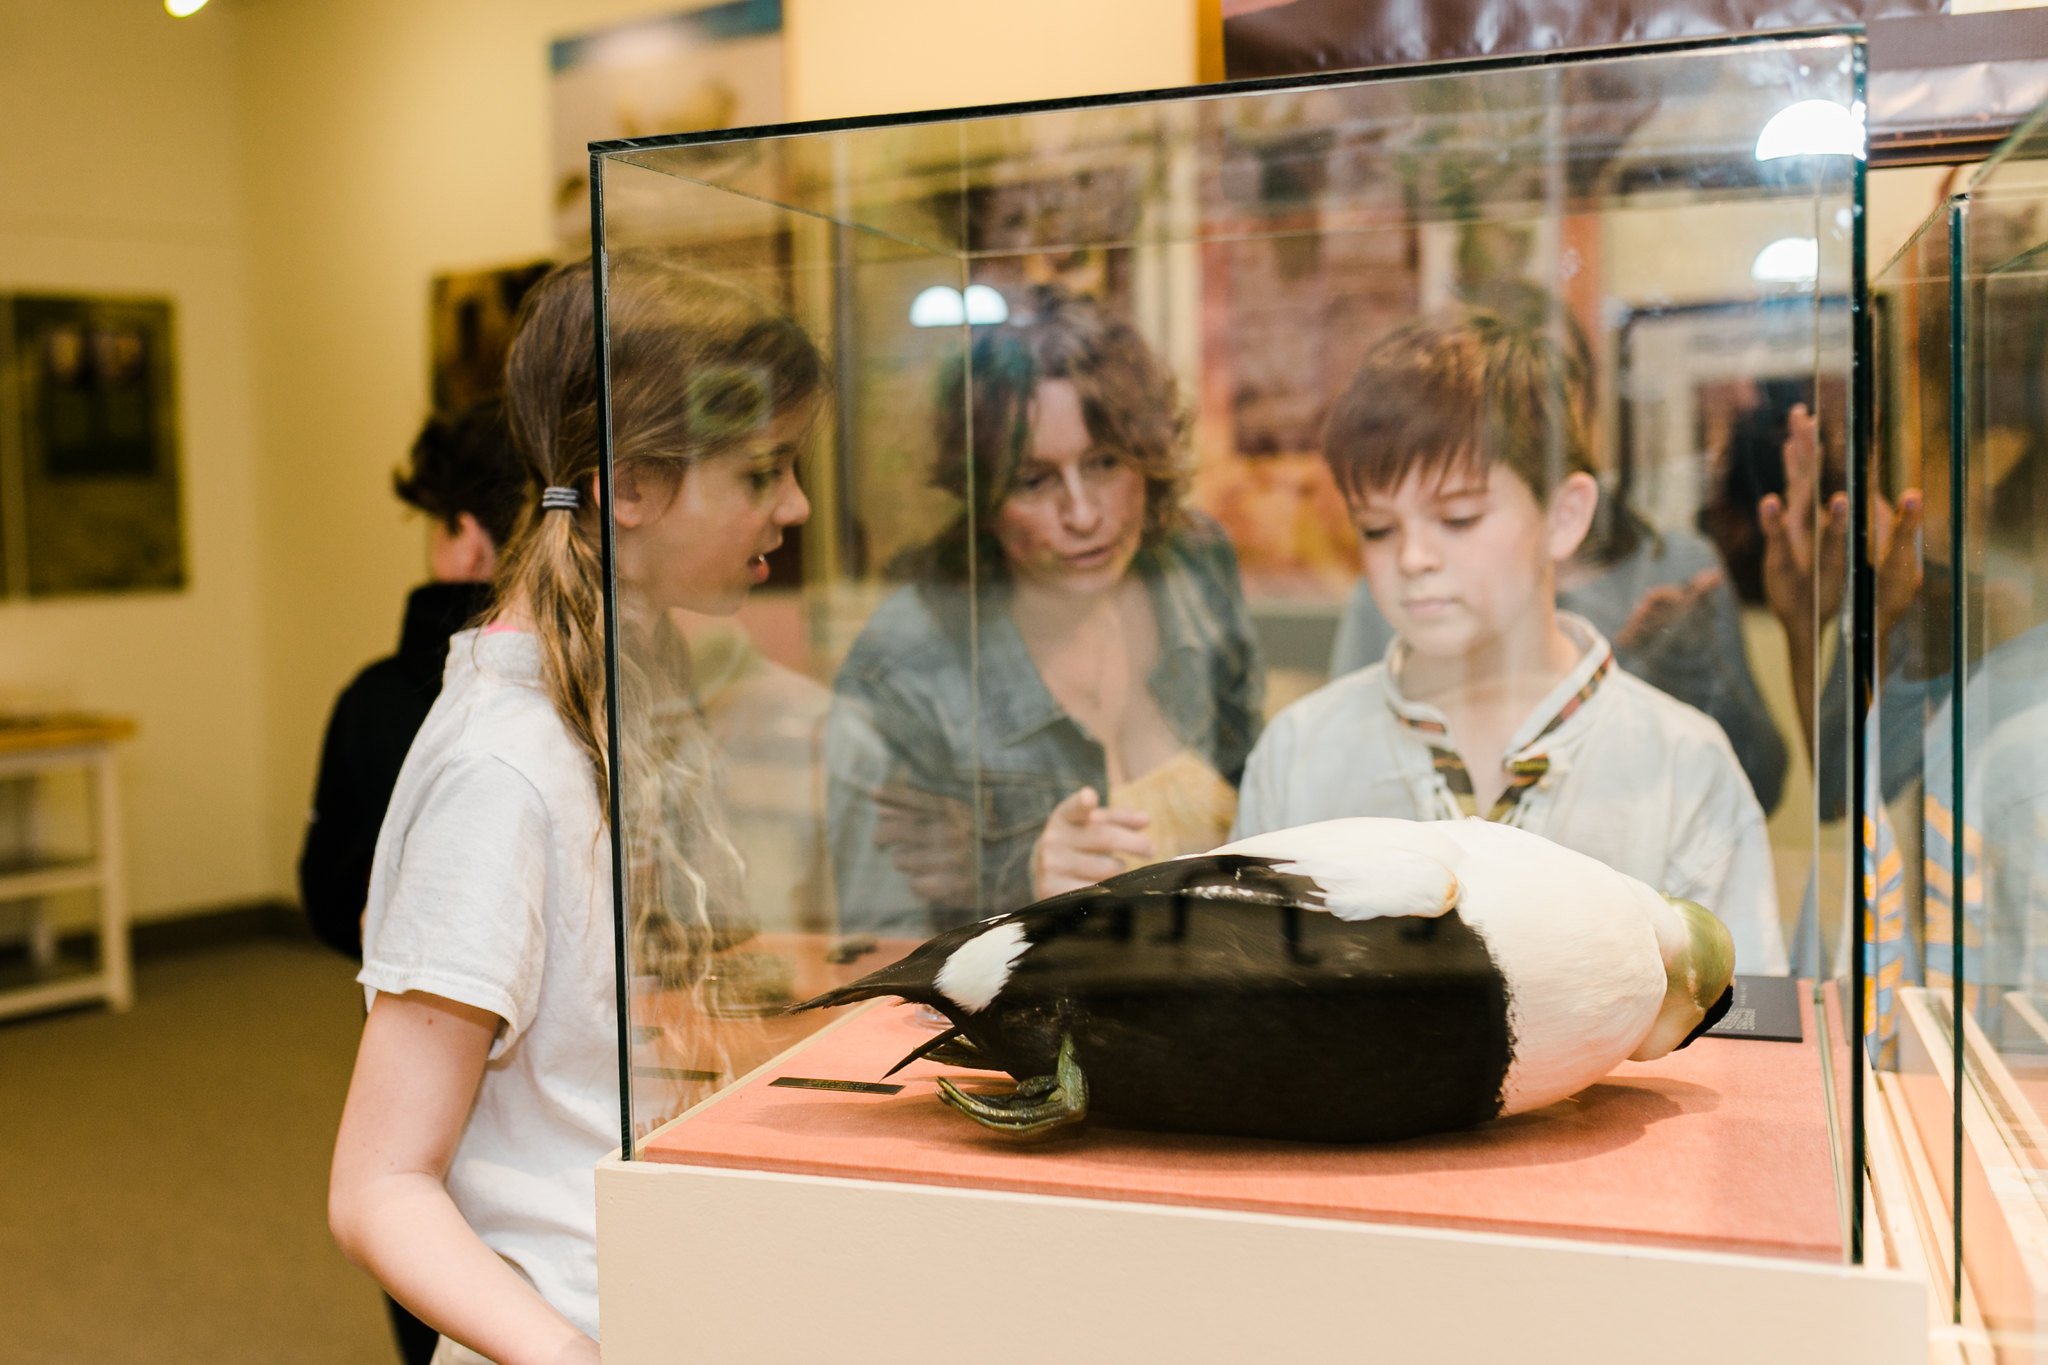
(1644, 783)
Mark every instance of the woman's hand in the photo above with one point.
(1084, 841)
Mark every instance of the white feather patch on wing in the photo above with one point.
(977, 969)
(1392, 882)
(1367, 868)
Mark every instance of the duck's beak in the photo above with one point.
(1699, 973)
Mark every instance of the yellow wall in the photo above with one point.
(388, 140)
(120, 172)
(1898, 200)
(851, 57)
(292, 174)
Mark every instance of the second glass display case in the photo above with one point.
(1959, 1046)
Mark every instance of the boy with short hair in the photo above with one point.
(466, 475)
(1460, 446)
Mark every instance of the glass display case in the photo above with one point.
(1960, 1054)
(1909, 968)
(1468, 443)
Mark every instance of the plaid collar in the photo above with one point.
(1526, 762)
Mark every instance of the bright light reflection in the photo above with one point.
(943, 306)
(1789, 260)
(985, 305)
(1812, 128)
(938, 306)
(183, 9)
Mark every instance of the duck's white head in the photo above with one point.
(1699, 968)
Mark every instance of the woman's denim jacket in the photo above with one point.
(906, 714)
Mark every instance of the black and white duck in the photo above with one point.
(1349, 981)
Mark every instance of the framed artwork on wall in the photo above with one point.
(89, 470)
(469, 324)
(716, 66)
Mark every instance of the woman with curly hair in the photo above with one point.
(1068, 686)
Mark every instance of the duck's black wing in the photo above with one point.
(1182, 883)
(1219, 877)
(1210, 922)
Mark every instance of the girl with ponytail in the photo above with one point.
(486, 1084)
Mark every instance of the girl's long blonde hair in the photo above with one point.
(696, 368)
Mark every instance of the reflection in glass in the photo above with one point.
(712, 394)
(1461, 446)
(1067, 686)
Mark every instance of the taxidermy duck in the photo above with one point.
(1350, 981)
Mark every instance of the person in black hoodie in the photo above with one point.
(466, 476)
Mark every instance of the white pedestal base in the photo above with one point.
(742, 1266)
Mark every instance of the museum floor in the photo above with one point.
(165, 1170)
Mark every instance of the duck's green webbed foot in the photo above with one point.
(1037, 1108)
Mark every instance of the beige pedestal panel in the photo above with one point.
(707, 1265)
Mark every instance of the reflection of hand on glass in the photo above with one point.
(1805, 568)
(1661, 608)
(1895, 548)
(1084, 841)
(929, 838)
(1804, 564)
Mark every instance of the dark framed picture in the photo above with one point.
(469, 323)
(89, 483)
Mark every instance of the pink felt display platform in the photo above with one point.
(1721, 1147)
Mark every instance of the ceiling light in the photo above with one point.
(985, 305)
(183, 9)
(938, 306)
(1812, 128)
(944, 306)
(1789, 260)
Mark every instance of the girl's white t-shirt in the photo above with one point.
(491, 887)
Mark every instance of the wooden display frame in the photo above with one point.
(29, 749)
(2001, 1302)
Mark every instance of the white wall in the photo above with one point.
(120, 172)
